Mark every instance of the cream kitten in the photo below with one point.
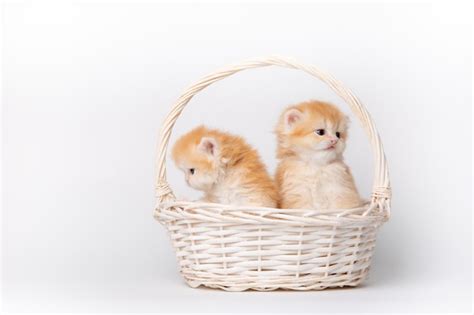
(311, 173)
(225, 167)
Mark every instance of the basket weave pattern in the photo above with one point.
(238, 248)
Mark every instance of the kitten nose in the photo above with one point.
(333, 140)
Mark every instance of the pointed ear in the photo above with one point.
(209, 146)
(292, 117)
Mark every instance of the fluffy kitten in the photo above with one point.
(225, 167)
(311, 173)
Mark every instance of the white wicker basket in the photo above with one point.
(240, 248)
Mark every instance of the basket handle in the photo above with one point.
(381, 193)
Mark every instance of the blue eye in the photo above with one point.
(191, 170)
(319, 132)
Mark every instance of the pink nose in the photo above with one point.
(333, 140)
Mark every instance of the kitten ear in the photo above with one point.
(208, 145)
(291, 117)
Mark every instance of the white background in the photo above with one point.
(86, 87)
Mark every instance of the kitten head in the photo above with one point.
(197, 154)
(314, 131)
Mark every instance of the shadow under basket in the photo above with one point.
(238, 248)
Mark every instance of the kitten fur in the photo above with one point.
(226, 168)
(311, 173)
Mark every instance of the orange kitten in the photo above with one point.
(311, 173)
(225, 167)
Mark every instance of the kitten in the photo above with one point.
(311, 173)
(225, 167)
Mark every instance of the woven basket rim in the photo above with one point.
(171, 211)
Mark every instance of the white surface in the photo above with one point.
(86, 87)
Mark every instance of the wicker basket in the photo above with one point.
(240, 248)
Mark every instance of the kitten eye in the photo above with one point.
(338, 134)
(191, 170)
(319, 132)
